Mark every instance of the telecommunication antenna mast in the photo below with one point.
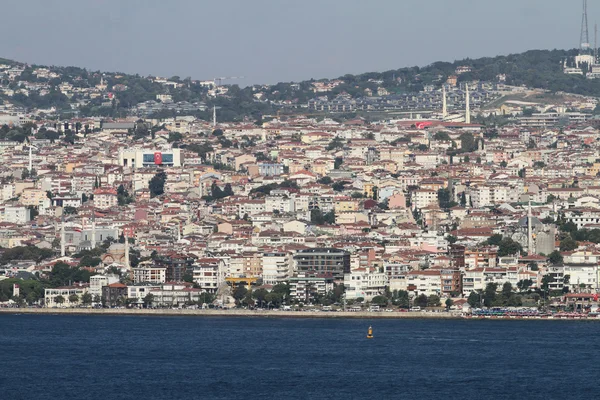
(585, 35)
(595, 43)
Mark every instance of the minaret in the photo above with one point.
(127, 265)
(179, 231)
(214, 116)
(468, 108)
(30, 159)
(530, 231)
(62, 237)
(444, 104)
(93, 241)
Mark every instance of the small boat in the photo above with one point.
(370, 333)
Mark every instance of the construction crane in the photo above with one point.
(225, 78)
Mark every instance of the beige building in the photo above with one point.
(34, 197)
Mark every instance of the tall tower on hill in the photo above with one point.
(468, 105)
(585, 34)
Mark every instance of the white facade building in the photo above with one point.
(365, 282)
(277, 267)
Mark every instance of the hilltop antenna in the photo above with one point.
(585, 35)
(596, 43)
(444, 104)
(468, 106)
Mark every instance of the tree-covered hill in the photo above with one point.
(536, 69)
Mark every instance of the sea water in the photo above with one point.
(146, 358)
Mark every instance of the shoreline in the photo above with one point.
(234, 313)
(230, 313)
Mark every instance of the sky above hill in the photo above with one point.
(268, 41)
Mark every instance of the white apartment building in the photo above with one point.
(149, 273)
(581, 218)
(138, 292)
(50, 296)
(489, 195)
(277, 267)
(582, 268)
(422, 198)
(15, 214)
(365, 282)
(175, 295)
(209, 273)
(304, 287)
(97, 281)
(283, 204)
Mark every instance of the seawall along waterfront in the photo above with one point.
(230, 313)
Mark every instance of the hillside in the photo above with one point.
(75, 91)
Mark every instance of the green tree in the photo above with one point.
(260, 295)
(74, 298)
(228, 191)
(59, 300)
(239, 293)
(316, 217)
(524, 284)
(421, 301)
(441, 136)
(449, 303)
(474, 299)
(445, 199)
(283, 289)
(336, 143)
(339, 186)
(489, 294)
(509, 247)
(401, 298)
(381, 301)
(86, 299)
(148, 300)
(555, 258)
(433, 301)
(546, 281)
(494, 240)
(507, 289)
(157, 184)
(175, 137)
(338, 162)
(568, 244)
(68, 210)
(533, 266)
(467, 142)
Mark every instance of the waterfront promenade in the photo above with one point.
(231, 313)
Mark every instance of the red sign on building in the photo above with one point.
(158, 158)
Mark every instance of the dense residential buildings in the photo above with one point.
(169, 210)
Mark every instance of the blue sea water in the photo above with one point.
(147, 358)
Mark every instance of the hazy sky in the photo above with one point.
(268, 41)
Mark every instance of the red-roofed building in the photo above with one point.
(105, 198)
(114, 294)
